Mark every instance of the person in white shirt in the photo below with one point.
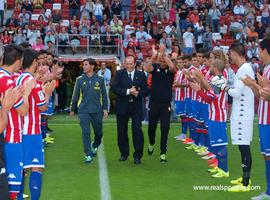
(168, 28)
(265, 8)
(242, 115)
(2, 10)
(238, 9)
(25, 16)
(142, 36)
(98, 10)
(188, 39)
(106, 74)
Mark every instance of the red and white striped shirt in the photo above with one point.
(192, 92)
(13, 131)
(32, 121)
(264, 106)
(180, 91)
(217, 105)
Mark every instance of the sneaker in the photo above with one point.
(213, 170)
(262, 196)
(25, 196)
(188, 141)
(214, 164)
(239, 188)
(88, 159)
(203, 153)
(239, 181)
(48, 141)
(181, 137)
(191, 147)
(221, 174)
(49, 130)
(209, 156)
(94, 150)
(50, 138)
(201, 149)
(211, 161)
(177, 137)
(163, 158)
(151, 149)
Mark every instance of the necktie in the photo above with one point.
(130, 77)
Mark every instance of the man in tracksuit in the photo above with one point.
(90, 98)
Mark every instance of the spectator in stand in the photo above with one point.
(27, 5)
(116, 25)
(87, 9)
(25, 15)
(12, 21)
(21, 23)
(260, 29)
(265, 9)
(56, 17)
(238, 9)
(207, 39)
(41, 21)
(84, 27)
(116, 8)
(140, 5)
(167, 42)
(74, 40)
(160, 9)
(188, 24)
(104, 27)
(199, 31)
(2, 11)
(51, 47)
(74, 7)
(158, 36)
(252, 35)
(50, 27)
(49, 37)
(168, 28)
(63, 38)
(253, 50)
(194, 17)
(125, 9)
(129, 28)
(107, 41)
(255, 66)
(142, 36)
(188, 40)
(222, 7)
(235, 27)
(174, 36)
(149, 29)
(6, 38)
(172, 14)
(98, 10)
(215, 18)
(95, 26)
(95, 40)
(206, 18)
(250, 13)
(75, 21)
(19, 37)
(191, 3)
(107, 10)
(223, 28)
(39, 45)
(148, 15)
(43, 14)
(33, 34)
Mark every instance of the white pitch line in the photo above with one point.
(104, 184)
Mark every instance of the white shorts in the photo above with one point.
(241, 132)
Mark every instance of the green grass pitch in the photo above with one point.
(66, 177)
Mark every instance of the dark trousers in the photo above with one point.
(96, 120)
(4, 192)
(137, 134)
(159, 111)
(2, 17)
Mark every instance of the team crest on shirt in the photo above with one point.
(97, 86)
(41, 95)
(9, 82)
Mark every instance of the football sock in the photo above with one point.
(184, 122)
(267, 173)
(222, 157)
(35, 184)
(246, 163)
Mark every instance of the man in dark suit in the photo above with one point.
(130, 87)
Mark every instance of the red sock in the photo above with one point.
(12, 195)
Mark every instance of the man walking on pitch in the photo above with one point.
(90, 98)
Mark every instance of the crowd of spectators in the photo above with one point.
(187, 25)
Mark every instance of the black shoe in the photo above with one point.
(137, 161)
(49, 130)
(123, 158)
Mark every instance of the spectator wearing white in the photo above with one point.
(25, 15)
(199, 35)
(125, 9)
(44, 15)
(167, 42)
(253, 50)
(98, 10)
(129, 29)
(265, 9)
(238, 9)
(103, 27)
(142, 36)
(49, 37)
(106, 74)
(2, 11)
(207, 39)
(188, 39)
(84, 27)
(222, 7)
(87, 8)
(63, 39)
(160, 5)
(255, 66)
(33, 35)
(250, 13)
(215, 16)
(168, 28)
(191, 3)
(19, 37)
(116, 25)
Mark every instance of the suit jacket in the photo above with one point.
(120, 85)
